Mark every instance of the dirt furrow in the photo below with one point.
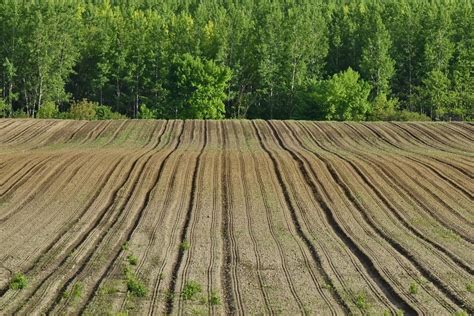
(387, 237)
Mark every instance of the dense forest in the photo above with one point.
(298, 59)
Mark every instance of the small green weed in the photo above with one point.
(470, 287)
(361, 302)
(18, 282)
(460, 313)
(125, 246)
(133, 260)
(75, 292)
(190, 290)
(184, 245)
(134, 285)
(214, 299)
(413, 288)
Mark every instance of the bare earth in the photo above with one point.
(277, 217)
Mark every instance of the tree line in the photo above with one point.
(285, 59)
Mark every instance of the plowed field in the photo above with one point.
(244, 217)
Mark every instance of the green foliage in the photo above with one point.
(75, 293)
(197, 88)
(134, 285)
(103, 112)
(132, 259)
(19, 114)
(343, 97)
(413, 288)
(48, 110)
(145, 113)
(18, 282)
(185, 245)
(4, 109)
(190, 290)
(460, 313)
(470, 287)
(214, 59)
(83, 110)
(361, 302)
(214, 299)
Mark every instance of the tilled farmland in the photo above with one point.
(244, 217)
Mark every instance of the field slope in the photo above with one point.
(254, 217)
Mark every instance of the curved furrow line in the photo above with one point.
(230, 279)
(15, 173)
(184, 231)
(465, 127)
(8, 123)
(390, 143)
(49, 249)
(434, 143)
(381, 266)
(355, 263)
(392, 205)
(106, 237)
(391, 176)
(73, 134)
(38, 186)
(415, 160)
(384, 286)
(270, 224)
(92, 137)
(16, 134)
(419, 184)
(375, 226)
(100, 220)
(97, 126)
(171, 189)
(161, 215)
(167, 202)
(447, 141)
(119, 130)
(43, 131)
(214, 219)
(189, 254)
(42, 128)
(256, 250)
(214, 228)
(55, 274)
(131, 230)
(296, 222)
(460, 132)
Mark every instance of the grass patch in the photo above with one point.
(460, 313)
(184, 245)
(361, 302)
(470, 287)
(132, 260)
(75, 293)
(134, 285)
(125, 246)
(214, 299)
(18, 282)
(413, 288)
(190, 290)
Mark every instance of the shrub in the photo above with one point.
(48, 110)
(145, 113)
(19, 114)
(83, 110)
(406, 115)
(4, 109)
(18, 282)
(190, 290)
(104, 112)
